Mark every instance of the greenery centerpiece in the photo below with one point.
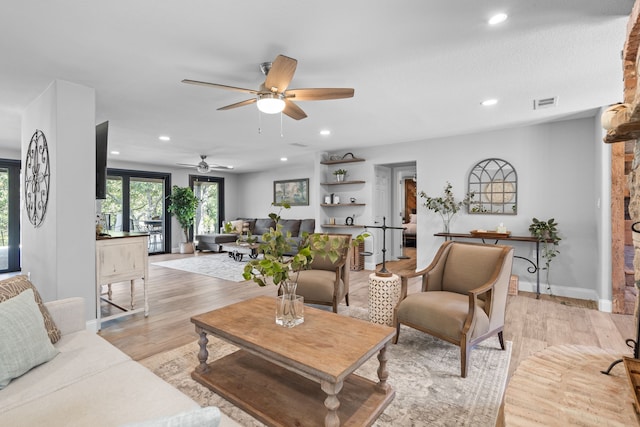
(446, 205)
(183, 204)
(546, 232)
(280, 266)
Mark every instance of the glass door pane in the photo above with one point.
(146, 208)
(208, 212)
(112, 206)
(4, 219)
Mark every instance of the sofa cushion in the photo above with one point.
(290, 226)
(24, 343)
(82, 354)
(308, 226)
(263, 225)
(12, 286)
(200, 417)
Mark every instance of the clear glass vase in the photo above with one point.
(289, 306)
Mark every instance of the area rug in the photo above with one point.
(218, 265)
(424, 371)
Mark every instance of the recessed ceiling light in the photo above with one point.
(164, 138)
(489, 102)
(115, 153)
(283, 159)
(325, 132)
(498, 18)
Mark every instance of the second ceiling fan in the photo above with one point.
(273, 96)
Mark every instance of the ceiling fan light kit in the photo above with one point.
(270, 103)
(273, 96)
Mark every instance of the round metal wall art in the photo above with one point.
(36, 178)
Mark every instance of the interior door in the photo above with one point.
(381, 212)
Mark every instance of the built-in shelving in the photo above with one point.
(339, 161)
(341, 226)
(343, 182)
(336, 205)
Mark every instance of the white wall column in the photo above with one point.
(60, 253)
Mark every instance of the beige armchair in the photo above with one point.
(463, 297)
(327, 282)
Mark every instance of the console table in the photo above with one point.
(533, 268)
(121, 256)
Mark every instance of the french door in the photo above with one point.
(9, 215)
(136, 202)
(210, 212)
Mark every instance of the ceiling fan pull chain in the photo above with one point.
(281, 132)
(259, 123)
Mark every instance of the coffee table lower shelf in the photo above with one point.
(279, 397)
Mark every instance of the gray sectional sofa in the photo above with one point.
(257, 227)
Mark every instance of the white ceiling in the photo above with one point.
(419, 68)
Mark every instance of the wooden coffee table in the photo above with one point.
(301, 376)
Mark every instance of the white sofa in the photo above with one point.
(89, 383)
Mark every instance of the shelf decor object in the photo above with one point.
(36, 178)
(295, 192)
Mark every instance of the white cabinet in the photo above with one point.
(121, 257)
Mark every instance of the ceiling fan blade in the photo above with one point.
(319, 94)
(185, 164)
(220, 167)
(280, 74)
(216, 85)
(238, 104)
(293, 111)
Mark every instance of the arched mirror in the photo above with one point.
(494, 183)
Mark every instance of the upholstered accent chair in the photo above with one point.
(327, 282)
(463, 297)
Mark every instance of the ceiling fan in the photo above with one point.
(273, 96)
(204, 167)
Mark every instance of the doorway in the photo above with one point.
(9, 215)
(210, 212)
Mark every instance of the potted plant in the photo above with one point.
(183, 204)
(546, 232)
(340, 174)
(446, 205)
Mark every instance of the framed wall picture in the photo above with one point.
(293, 191)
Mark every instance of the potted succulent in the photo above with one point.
(340, 174)
(446, 205)
(546, 232)
(183, 204)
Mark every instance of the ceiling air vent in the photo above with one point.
(298, 144)
(545, 103)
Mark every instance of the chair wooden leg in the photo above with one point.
(346, 299)
(464, 357)
(501, 338)
(395, 339)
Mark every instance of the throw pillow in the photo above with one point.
(413, 218)
(24, 343)
(236, 226)
(15, 285)
(200, 417)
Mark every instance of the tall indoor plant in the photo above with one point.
(183, 204)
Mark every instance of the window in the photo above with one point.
(9, 215)
(210, 213)
(136, 202)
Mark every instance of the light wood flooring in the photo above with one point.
(174, 296)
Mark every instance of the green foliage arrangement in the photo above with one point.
(446, 205)
(340, 172)
(183, 204)
(277, 265)
(547, 233)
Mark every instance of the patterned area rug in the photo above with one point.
(218, 265)
(424, 371)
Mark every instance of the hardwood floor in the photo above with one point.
(174, 296)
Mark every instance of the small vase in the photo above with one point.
(340, 177)
(445, 224)
(289, 306)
